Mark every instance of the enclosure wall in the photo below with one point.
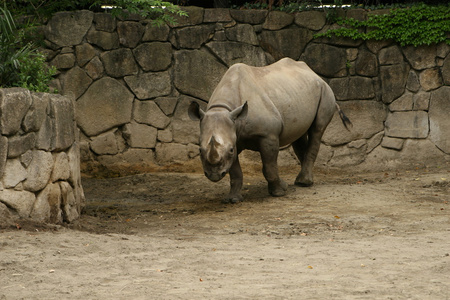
(133, 83)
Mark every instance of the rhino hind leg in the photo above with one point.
(300, 147)
(306, 148)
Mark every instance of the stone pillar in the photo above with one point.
(39, 158)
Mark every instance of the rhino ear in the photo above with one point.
(240, 113)
(195, 112)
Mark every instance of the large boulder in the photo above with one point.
(407, 124)
(243, 33)
(105, 143)
(194, 17)
(412, 82)
(197, 73)
(68, 28)
(15, 173)
(3, 153)
(153, 57)
(251, 16)
(95, 68)
(234, 52)
(84, 53)
(69, 203)
(105, 105)
(155, 33)
(167, 153)
(14, 104)
(75, 82)
(63, 61)
(367, 117)
(103, 39)
(185, 130)
(215, 15)
(73, 154)
(37, 113)
(130, 33)
(140, 135)
(326, 60)
(277, 20)
(119, 63)
(352, 88)
(393, 81)
(446, 70)
(21, 202)
(314, 20)
(63, 114)
(193, 37)
(39, 171)
(430, 79)
(288, 42)
(390, 56)
(439, 118)
(47, 207)
(19, 144)
(148, 112)
(366, 64)
(421, 57)
(105, 22)
(149, 85)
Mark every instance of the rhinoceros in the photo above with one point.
(263, 109)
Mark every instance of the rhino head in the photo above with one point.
(217, 137)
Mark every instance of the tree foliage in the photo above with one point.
(158, 11)
(21, 65)
(417, 25)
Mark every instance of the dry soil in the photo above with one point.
(383, 235)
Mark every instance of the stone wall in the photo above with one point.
(133, 82)
(39, 158)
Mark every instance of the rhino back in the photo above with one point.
(283, 97)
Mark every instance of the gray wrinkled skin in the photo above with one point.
(263, 109)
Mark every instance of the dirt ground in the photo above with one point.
(383, 235)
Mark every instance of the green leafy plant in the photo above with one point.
(21, 65)
(159, 11)
(417, 25)
(35, 74)
(43, 9)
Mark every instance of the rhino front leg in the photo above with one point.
(236, 180)
(269, 156)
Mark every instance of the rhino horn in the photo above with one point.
(213, 155)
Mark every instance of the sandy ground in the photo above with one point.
(168, 236)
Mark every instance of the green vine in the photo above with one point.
(417, 25)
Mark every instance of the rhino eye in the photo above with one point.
(231, 151)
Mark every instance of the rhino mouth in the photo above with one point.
(215, 177)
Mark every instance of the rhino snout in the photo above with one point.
(215, 177)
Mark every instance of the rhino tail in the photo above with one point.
(345, 120)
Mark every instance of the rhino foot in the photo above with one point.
(279, 189)
(233, 199)
(303, 183)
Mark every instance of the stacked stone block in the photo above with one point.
(133, 83)
(39, 157)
